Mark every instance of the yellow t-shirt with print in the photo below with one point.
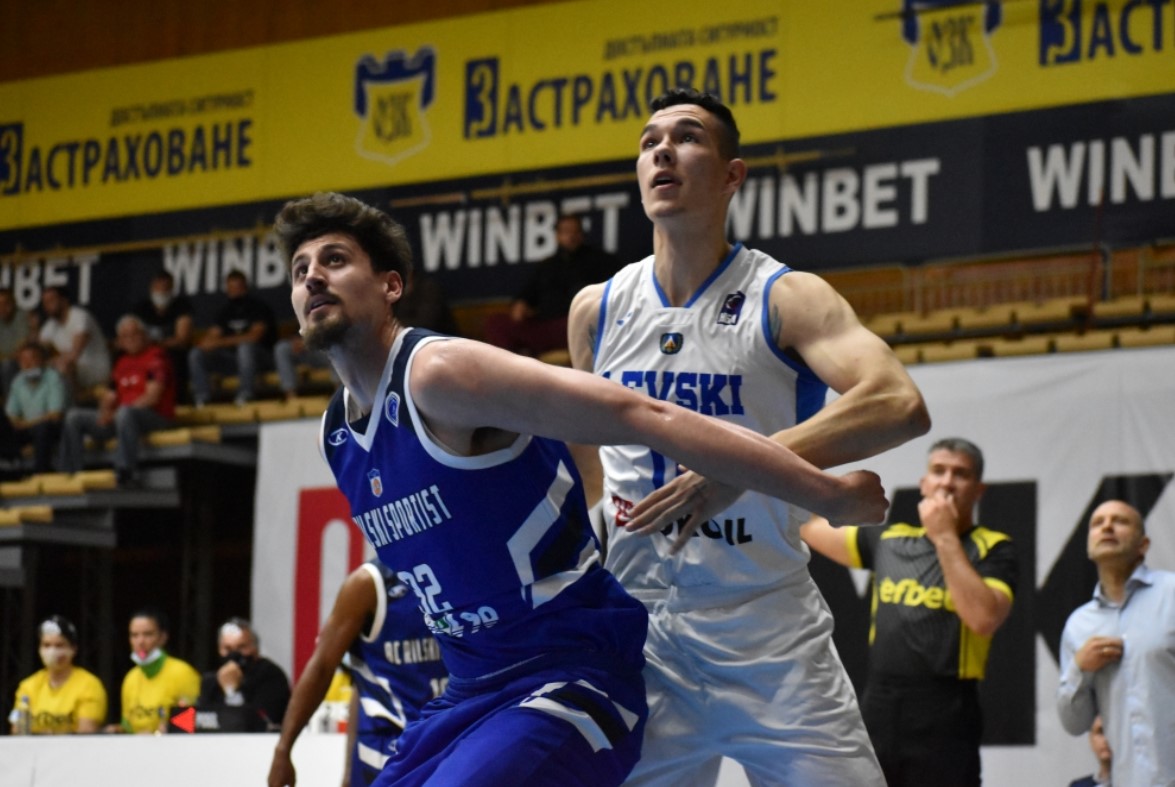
(146, 702)
(57, 711)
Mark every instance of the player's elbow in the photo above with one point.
(912, 412)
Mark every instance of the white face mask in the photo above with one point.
(143, 659)
(160, 299)
(54, 655)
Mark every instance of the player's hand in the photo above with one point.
(939, 515)
(863, 501)
(689, 495)
(281, 771)
(1097, 652)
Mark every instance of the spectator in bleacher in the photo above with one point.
(537, 322)
(158, 681)
(62, 698)
(141, 399)
(425, 305)
(14, 332)
(168, 318)
(82, 355)
(288, 355)
(245, 677)
(240, 340)
(34, 409)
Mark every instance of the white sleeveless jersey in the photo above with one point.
(714, 355)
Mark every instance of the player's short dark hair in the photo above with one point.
(728, 140)
(378, 234)
(958, 445)
(59, 624)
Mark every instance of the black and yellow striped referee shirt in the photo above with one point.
(915, 631)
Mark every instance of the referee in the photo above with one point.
(941, 589)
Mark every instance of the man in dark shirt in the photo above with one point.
(241, 340)
(940, 592)
(168, 318)
(537, 322)
(245, 678)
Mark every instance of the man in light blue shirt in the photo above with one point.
(35, 404)
(1118, 652)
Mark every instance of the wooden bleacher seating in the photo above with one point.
(935, 323)
(955, 351)
(1084, 342)
(23, 515)
(1028, 345)
(1119, 311)
(983, 320)
(1154, 336)
(1051, 314)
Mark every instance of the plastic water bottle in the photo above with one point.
(24, 716)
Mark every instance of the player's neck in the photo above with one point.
(685, 256)
(360, 359)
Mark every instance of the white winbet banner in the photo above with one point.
(1065, 426)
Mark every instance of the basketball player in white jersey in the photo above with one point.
(740, 660)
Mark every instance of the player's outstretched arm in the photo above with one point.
(355, 600)
(462, 388)
(819, 534)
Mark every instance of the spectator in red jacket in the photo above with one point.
(141, 399)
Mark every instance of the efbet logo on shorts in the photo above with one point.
(671, 343)
(950, 43)
(391, 99)
(732, 307)
(377, 484)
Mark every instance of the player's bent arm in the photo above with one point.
(583, 324)
(832, 542)
(462, 387)
(355, 600)
(582, 327)
(879, 406)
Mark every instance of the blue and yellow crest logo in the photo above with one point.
(671, 343)
(376, 483)
(950, 43)
(391, 99)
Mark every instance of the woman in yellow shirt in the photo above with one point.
(61, 698)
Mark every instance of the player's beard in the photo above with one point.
(326, 333)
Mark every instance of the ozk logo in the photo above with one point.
(391, 99)
(337, 437)
(950, 43)
(392, 409)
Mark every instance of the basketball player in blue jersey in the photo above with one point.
(450, 455)
(740, 655)
(395, 667)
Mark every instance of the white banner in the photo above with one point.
(1064, 422)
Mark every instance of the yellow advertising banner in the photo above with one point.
(542, 87)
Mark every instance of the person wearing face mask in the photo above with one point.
(61, 698)
(168, 317)
(157, 682)
(245, 677)
(34, 408)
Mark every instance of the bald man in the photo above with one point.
(1118, 651)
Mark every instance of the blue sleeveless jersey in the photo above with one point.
(497, 547)
(395, 661)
